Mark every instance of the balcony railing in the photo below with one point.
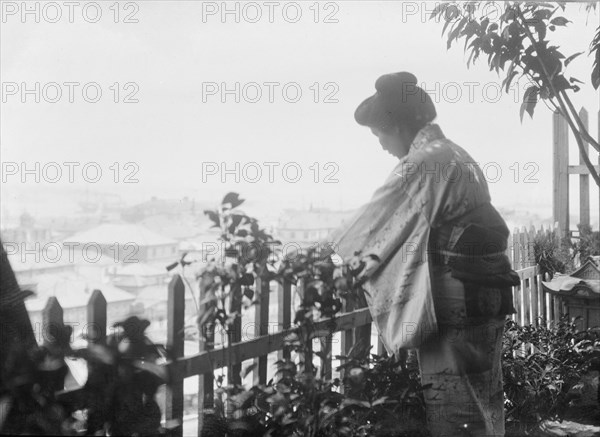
(530, 300)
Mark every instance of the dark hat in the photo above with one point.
(398, 98)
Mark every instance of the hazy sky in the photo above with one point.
(176, 59)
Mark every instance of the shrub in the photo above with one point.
(588, 243)
(117, 399)
(541, 365)
(552, 254)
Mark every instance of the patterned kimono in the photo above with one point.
(444, 285)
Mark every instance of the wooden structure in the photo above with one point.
(562, 170)
(531, 302)
(580, 292)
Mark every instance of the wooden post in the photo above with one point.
(560, 199)
(325, 351)
(536, 308)
(527, 295)
(363, 333)
(284, 314)
(261, 327)
(584, 179)
(380, 346)
(307, 356)
(518, 302)
(532, 235)
(516, 255)
(347, 336)
(52, 317)
(96, 317)
(206, 392)
(347, 339)
(235, 332)
(525, 248)
(175, 325)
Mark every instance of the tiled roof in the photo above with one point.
(122, 233)
(140, 269)
(23, 262)
(312, 219)
(72, 291)
(180, 228)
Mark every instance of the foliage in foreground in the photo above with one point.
(554, 255)
(521, 41)
(117, 399)
(375, 395)
(542, 367)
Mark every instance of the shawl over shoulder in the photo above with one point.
(435, 182)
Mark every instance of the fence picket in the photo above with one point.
(175, 342)
(261, 327)
(52, 317)
(516, 255)
(235, 332)
(96, 317)
(535, 297)
(284, 304)
(206, 343)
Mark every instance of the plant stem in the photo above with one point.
(580, 145)
(584, 133)
(562, 104)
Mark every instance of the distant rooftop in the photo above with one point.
(312, 219)
(183, 227)
(140, 269)
(122, 233)
(21, 262)
(173, 207)
(72, 291)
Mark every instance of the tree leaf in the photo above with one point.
(508, 80)
(595, 77)
(542, 14)
(570, 58)
(214, 217)
(540, 28)
(560, 21)
(530, 99)
(231, 200)
(249, 369)
(438, 10)
(455, 32)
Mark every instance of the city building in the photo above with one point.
(73, 292)
(308, 227)
(123, 243)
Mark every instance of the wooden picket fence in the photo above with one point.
(352, 324)
(531, 302)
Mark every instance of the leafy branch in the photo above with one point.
(519, 37)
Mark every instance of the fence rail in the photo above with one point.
(531, 303)
(521, 249)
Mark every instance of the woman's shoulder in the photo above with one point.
(436, 158)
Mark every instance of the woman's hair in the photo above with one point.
(399, 101)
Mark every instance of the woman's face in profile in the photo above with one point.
(392, 141)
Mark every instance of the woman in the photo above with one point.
(437, 278)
